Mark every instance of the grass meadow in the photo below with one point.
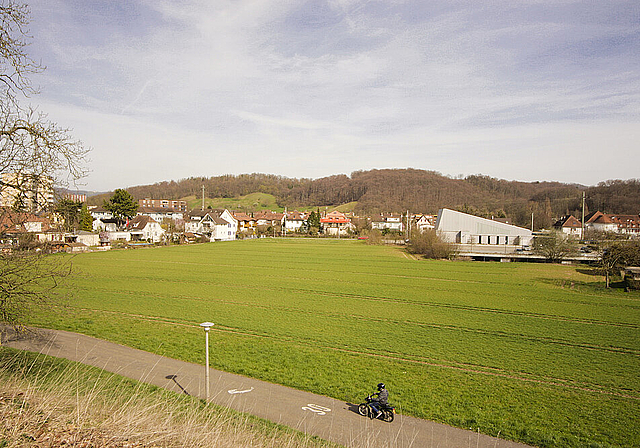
(538, 353)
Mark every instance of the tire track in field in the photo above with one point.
(445, 364)
(382, 274)
(493, 333)
(633, 305)
(377, 320)
(364, 297)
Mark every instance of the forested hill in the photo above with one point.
(419, 191)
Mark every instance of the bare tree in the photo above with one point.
(34, 153)
(554, 246)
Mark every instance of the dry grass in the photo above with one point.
(46, 402)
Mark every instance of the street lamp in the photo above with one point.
(206, 326)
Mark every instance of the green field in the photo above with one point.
(538, 353)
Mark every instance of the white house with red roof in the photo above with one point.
(569, 225)
(336, 223)
(602, 222)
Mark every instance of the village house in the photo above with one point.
(627, 224)
(599, 222)
(87, 238)
(269, 219)
(246, 222)
(295, 221)
(99, 212)
(105, 225)
(14, 224)
(144, 228)
(336, 223)
(387, 221)
(214, 224)
(624, 224)
(424, 222)
(569, 225)
(159, 214)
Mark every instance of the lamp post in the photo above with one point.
(206, 326)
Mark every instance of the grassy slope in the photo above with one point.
(535, 352)
(256, 201)
(250, 202)
(47, 401)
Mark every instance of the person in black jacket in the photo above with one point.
(381, 399)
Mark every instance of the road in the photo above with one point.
(324, 417)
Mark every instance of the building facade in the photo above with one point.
(462, 228)
(27, 192)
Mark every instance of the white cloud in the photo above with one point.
(316, 88)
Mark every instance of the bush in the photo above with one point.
(374, 237)
(430, 245)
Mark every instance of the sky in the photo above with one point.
(159, 90)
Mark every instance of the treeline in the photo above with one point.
(419, 191)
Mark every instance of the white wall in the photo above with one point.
(458, 227)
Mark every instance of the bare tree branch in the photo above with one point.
(32, 149)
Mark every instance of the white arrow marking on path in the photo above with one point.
(236, 391)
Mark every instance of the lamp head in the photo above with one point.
(207, 325)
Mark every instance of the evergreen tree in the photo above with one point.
(86, 220)
(122, 206)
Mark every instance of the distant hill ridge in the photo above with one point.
(419, 191)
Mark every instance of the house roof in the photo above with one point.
(598, 218)
(568, 221)
(384, 217)
(13, 222)
(335, 217)
(295, 216)
(268, 215)
(107, 220)
(241, 216)
(626, 220)
(219, 220)
(140, 222)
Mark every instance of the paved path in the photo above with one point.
(325, 417)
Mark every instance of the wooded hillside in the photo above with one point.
(419, 191)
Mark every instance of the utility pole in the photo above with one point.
(203, 197)
(532, 221)
(583, 199)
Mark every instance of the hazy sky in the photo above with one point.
(517, 89)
